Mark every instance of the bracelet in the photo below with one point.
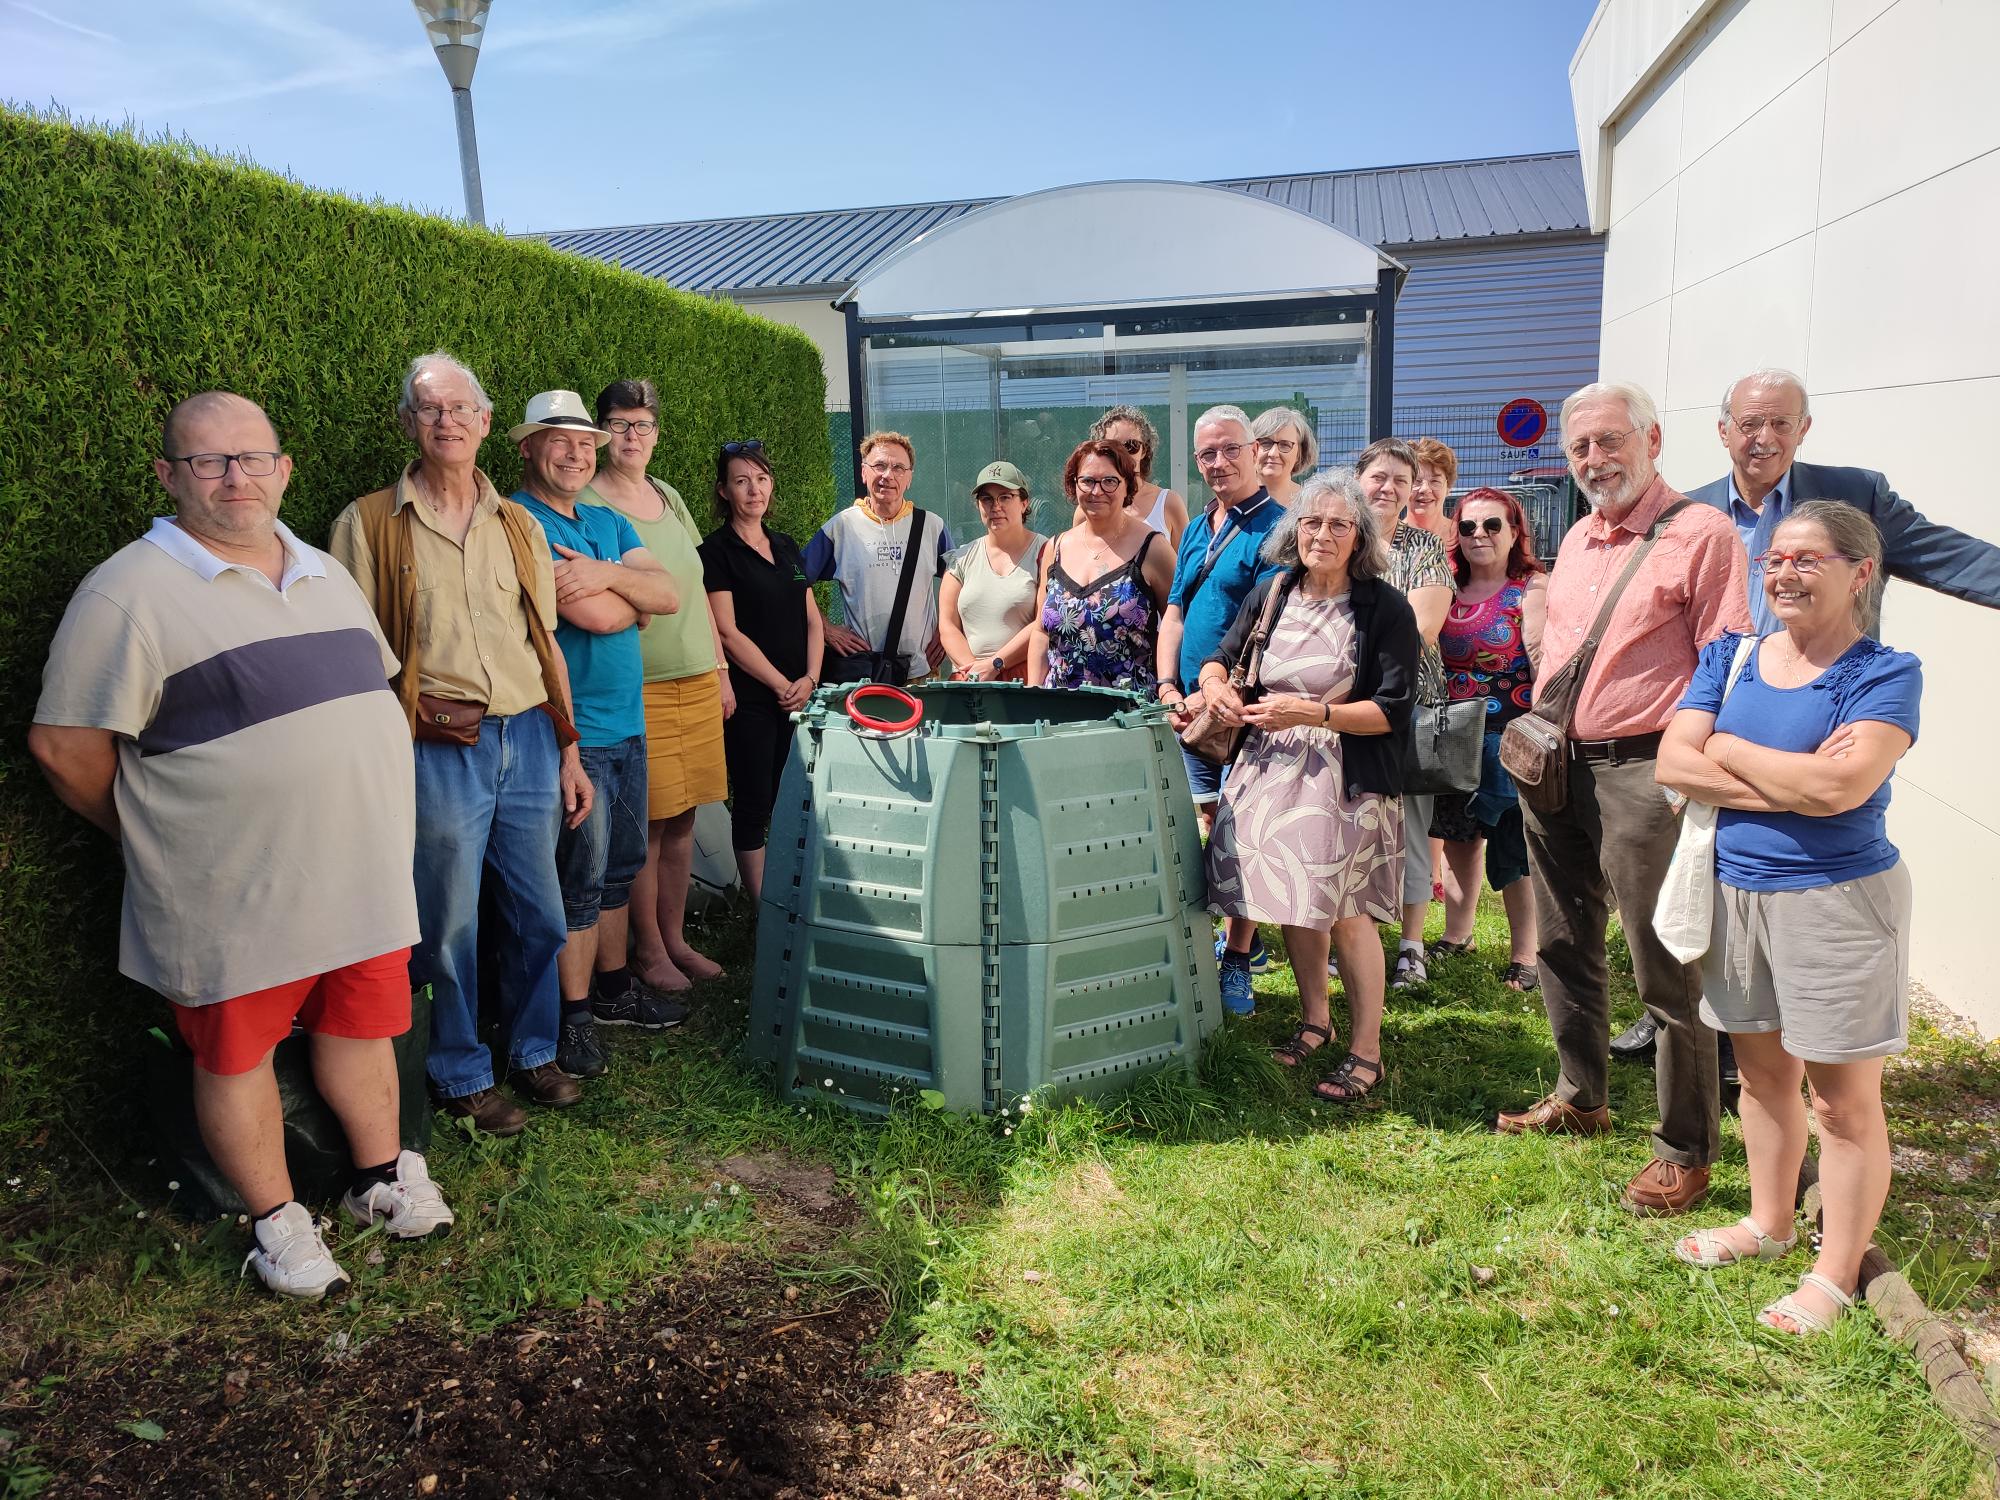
(1325, 715)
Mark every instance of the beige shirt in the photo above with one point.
(472, 623)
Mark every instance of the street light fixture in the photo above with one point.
(456, 28)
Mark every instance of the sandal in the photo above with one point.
(1711, 1251)
(1446, 948)
(1804, 1319)
(1521, 977)
(1343, 1078)
(1290, 1054)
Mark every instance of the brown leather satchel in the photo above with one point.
(1207, 735)
(447, 721)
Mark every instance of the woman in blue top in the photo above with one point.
(1808, 960)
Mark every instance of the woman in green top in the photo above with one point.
(687, 694)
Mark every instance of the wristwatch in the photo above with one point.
(999, 666)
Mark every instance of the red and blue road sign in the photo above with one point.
(1522, 422)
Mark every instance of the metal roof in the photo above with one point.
(1430, 203)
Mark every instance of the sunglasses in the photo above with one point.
(751, 445)
(1133, 446)
(1491, 526)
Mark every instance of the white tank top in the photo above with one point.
(1158, 519)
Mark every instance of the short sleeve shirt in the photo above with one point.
(265, 785)
(604, 670)
(1237, 535)
(992, 610)
(864, 559)
(769, 601)
(1789, 851)
(681, 644)
(1417, 561)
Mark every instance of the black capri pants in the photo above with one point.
(755, 741)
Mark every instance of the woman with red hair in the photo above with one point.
(1491, 644)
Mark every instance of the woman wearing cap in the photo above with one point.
(686, 698)
(1286, 449)
(986, 603)
(1161, 508)
(771, 632)
(1102, 582)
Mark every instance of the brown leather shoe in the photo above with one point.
(1552, 1116)
(547, 1084)
(1665, 1187)
(490, 1111)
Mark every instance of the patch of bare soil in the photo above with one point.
(726, 1383)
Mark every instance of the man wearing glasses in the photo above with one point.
(217, 700)
(1612, 839)
(464, 586)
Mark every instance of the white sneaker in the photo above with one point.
(412, 1206)
(292, 1258)
(1410, 969)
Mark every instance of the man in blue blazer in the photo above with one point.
(1765, 416)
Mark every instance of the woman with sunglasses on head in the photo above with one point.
(1490, 644)
(772, 633)
(1807, 966)
(987, 599)
(1162, 509)
(1102, 583)
(1286, 450)
(686, 695)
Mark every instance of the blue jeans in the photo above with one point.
(597, 861)
(1204, 777)
(493, 806)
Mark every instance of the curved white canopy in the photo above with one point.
(1117, 244)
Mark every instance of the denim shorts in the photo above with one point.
(597, 861)
(1204, 777)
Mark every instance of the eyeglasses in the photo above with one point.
(1333, 526)
(737, 450)
(619, 426)
(879, 467)
(1491, 526)
(1780, 427)
(462, 412)
(1805, 564)
(1607, 443)
(1099, 484)
(1275, 445)
(994, 495)
(215, 465)
(1221, 453)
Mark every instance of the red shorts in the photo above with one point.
(366, 999)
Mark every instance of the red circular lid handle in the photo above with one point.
(884, 726)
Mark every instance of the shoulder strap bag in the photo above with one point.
(1207, 735)
(1684, 915)
(1534, 749)
(886, 665)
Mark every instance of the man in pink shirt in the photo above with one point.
(1613, 839)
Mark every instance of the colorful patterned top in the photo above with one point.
(1104, 635)
(1486, 656)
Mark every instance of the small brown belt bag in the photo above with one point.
(447, 721)
(1534, 748)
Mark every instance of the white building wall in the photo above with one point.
(1816, 184)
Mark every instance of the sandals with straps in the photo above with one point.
(1291, 1053)
(1342, 1078)
(1805, 1321)
(1522, 978)
(1711, 1251)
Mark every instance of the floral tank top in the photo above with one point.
(1485, 655)
(1102, 636)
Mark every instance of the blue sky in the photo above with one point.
(624, 111)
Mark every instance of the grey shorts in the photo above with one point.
(1828, 967)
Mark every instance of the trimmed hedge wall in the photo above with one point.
(136, 274)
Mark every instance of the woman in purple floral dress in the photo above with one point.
(1102, 582)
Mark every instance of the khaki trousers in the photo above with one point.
(1611, 844)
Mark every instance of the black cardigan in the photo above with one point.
(1385, 672)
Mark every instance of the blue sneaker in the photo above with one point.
(1237, 996)
(1260, 961)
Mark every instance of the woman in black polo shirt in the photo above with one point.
(772, 635)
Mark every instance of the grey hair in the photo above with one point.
(1370, 557)
(1770, 375)
(1276, 420)
(1639, 408)
(1222, 414)
(1853, 534)
(437, 359)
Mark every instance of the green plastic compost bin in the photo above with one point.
(1007, 898)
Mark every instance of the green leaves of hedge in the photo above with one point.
(134, 274)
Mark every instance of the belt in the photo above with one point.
(1616, 752)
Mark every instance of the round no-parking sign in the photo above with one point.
(1522, 422)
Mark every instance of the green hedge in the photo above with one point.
(134, 274)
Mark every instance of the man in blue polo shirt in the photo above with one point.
(607, 586)
(1217, 567)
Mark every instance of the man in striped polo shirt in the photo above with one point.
(217, 700)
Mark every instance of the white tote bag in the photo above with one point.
(1685, 913)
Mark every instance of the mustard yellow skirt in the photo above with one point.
(684, 766)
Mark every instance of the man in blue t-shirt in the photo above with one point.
(1218, 564)
(607, 587)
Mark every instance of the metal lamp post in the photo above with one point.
(456, 28)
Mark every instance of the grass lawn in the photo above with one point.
(1210, 1287)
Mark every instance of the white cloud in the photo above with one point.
(66, 24)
